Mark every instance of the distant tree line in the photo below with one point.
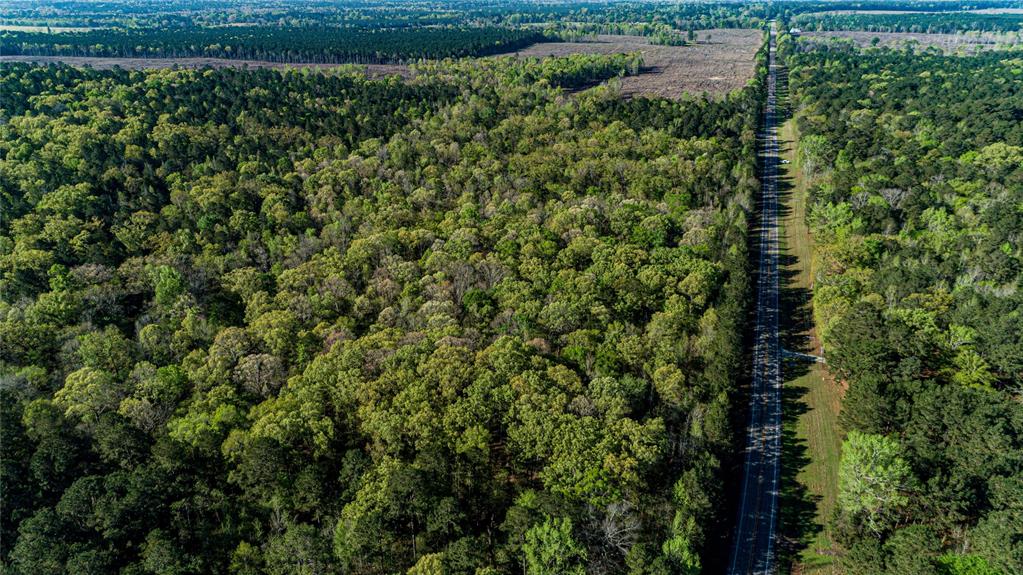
(943, 23)
(665, 22)
(275, 44)
(805, 6)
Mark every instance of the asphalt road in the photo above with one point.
(753, 549)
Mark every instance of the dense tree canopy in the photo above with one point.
(916, 164)
(489, 318)
(286, 322)
(946, 23)
(277, 44)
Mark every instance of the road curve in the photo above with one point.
(753, 550)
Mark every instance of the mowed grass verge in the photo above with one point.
(813, 426)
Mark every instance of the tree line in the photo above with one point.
(926, 6)
(275, 44)
(939, 23)
(243, 22)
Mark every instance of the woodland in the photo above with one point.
(913, 22)
(275, 44)
(284, 322)
(491, 317)
(916, 163)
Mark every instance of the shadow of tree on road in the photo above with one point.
(798, 525)
(797, 507)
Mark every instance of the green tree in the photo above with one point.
(912, 550)
(88, 393)
(873, 479)
(551, 550)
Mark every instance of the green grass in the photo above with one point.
(813, 424)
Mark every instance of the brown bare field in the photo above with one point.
(718, 66)
(723, 64)
(980, 11)
(373, 70)
(43, 28)
(997, 11)
(948, 42)
(825, 12)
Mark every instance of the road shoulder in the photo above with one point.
(811, 437)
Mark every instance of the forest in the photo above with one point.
(923, 6)
(376, 13)
(370, 33)
(493, 316)
(261, 321)
(391, 14)
(274, 44)
(947, 23)
(178, 13)
(916, 164)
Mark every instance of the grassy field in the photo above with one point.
(812, 435)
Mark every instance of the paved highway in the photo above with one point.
(753, 547)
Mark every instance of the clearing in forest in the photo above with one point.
(722, 60)
(44, 28)
(980, 11)
(948, 42)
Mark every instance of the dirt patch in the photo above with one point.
(372, 70)
(716, 66)
(43, 28)
(949, 42)
(720, 61)
(997, 11)
(829, 12)
(980, 11)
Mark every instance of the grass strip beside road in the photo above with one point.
(811, 427)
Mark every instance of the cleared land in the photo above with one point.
(721, 61)
(374, 70)
(948, 42)
(998, 11)
(718, 66)
(43, 28)
(866, 12)
(981, 11)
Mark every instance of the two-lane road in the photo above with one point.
(753, 547)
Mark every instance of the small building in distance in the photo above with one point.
(795, 32)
